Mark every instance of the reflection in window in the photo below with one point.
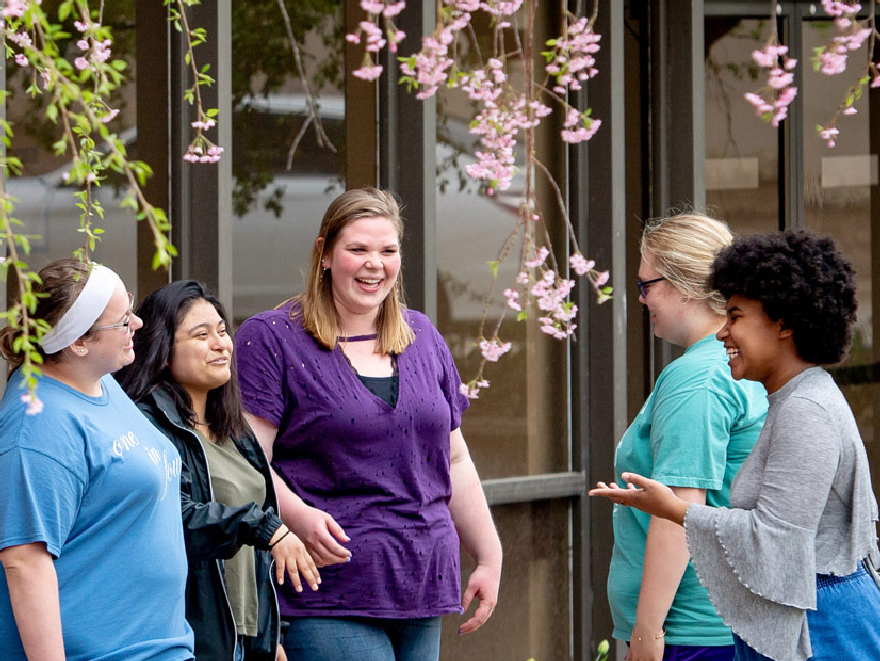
(532, 619)
(838, 188)
(519, 425)
(742, 155)
(43, 201)
(281, 193)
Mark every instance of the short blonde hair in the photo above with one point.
(316, 307)
(682, 249)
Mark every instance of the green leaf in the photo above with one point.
(493, 266)
(522, 316)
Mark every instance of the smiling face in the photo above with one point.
(110, 349)
(202, 352)
(758, 348)
(364, 263)
(665, 304)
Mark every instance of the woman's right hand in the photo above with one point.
(290, 555)
(317, 529)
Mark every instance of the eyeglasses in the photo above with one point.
(122, 324)
(643, 285)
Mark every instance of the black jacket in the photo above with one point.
(215, 532)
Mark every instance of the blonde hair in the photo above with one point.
(316, 307)
(682, 248)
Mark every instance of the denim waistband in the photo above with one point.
(824, 580)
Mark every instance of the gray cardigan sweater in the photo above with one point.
(802, 504)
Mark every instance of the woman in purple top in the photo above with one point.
(356, 401)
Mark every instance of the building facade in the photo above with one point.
(676, 133)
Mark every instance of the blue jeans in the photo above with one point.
(845, 625)
(362, 638)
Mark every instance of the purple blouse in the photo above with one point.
(381, 472)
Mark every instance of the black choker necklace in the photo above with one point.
(358, 338)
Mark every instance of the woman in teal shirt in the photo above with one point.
(692, 434)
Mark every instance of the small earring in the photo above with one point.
(80, 350)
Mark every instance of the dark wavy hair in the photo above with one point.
(801, 279)
(162, 312)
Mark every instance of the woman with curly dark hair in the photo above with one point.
(788, 565)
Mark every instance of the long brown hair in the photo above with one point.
(61, 282)
(315, 306)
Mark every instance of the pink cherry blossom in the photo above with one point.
(540, 256)
(580, 264)
(81, 63)
(110, 116)
(21, 60)
(512, 296)
(34, 404)
(13, 9)
(493, 350)
(393, 9)
(368, 72)
(372, 7)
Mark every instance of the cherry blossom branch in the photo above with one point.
(312, 114)
(201, 148)
(506, 117)
(831, 59)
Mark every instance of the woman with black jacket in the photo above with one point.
(182, 380)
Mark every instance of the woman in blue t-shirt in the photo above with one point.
(693, 433)
(90, 536)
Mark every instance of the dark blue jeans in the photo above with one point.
(362, 638)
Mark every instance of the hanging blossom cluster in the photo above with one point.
(550, 291)
(572, 59)
(570, 62)
(771, 103)
(97, 51)
(374, 37)
(504, 114)
(831, 58)
(430, 67)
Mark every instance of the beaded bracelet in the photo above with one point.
(273, 544)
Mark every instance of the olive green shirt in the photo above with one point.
(235, 483)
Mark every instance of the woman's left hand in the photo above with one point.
(483, 585)
(645, 646)
(645, 494)
(291, 556)
(280, 655)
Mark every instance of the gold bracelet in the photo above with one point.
(657, 637)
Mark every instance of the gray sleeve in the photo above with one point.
(771, 548)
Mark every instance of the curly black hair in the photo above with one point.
(799, 278)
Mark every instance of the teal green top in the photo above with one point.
(235, 483)
(695, 430)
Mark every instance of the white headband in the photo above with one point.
(84, 312)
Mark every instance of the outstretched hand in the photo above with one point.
(645, 494)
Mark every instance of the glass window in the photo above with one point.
(533, 616)
(285, 176)
(840, 186)
(742, 152)
(519, 426)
